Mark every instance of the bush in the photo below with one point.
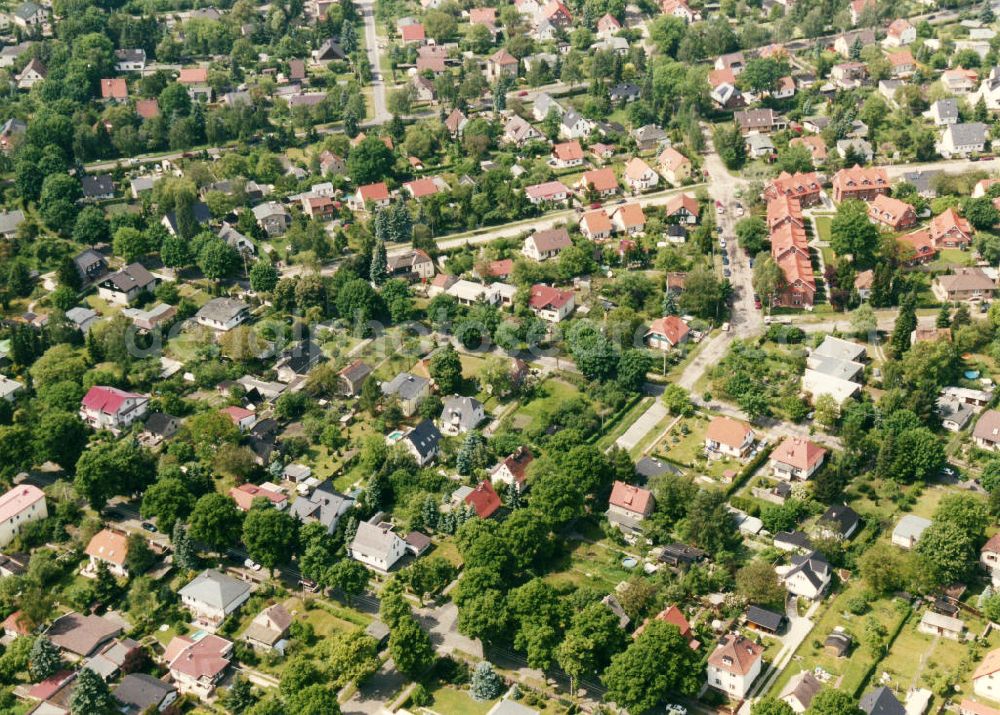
(858, 605)
(419, 697)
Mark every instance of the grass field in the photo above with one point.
(448, 700)
(847, 673)
(594, 564)
(823, 225)
(550, 393)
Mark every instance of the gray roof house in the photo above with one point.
(90, 264)
(840, 521)
(124, 286)
(840, 349)
(423, 442)
(800, 691)
(376, 546)
(943, 111)
(923, 181)
(236, 240)
(98, 188)
(461, 414)
(138, 692)
(962, 139)
(908, 530)
(82, 317)
(201, 215)
(881, 701)
(9, 221)
(272, 217)
(211, 596)
(325, 505)
(409, 389)
(222, 313)
(649, 136)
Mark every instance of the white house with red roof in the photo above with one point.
(667, 332)
(483, 499)
(680, 9)
(728, 436)
(549, 191)
(796, 458)
(22, 505)
(596, 225)
(639, 176)
(245, 494)
(734, 665)
(986, 678)
(628, 506)
(513, 470)
(551, 304)
(197, 666)
(628, 219)
(566, 154)
(900, 33)
(241, 416)
(607, 26)
(112, 409)
(602, 182)
(376, 194)
(110, 548)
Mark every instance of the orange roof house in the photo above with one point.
(483, 499)
(804, 186)
(114, 88)
(193, 75)
(890, 212)
(729, 436)
(796, 457)
(667, 332)
(921, 246)
(596, 225)
(949, 229)
(602, 181)
(859, 183)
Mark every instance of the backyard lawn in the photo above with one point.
(592, 564)
(848, 673)
(685, 445)
(551, 393)
(448, 700)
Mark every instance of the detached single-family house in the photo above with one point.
(272, 217)
(461, 414)
(943, 112)
(513, 470)
(376, 546)
(551, 304)
(839, 521)
(962, 140)
(124, 286)
(423, 442)
(222, 314)
(964, 284)
(881, 701)
(674, 166)
(639, 176)
(546, 244)
(728, 437)
(900, 33)
(800, 691)
(109, 548)
(246, 494)
(409, 389)
(130, 60)
(809, 575)
(111, 408)
(142, 693)
(212, 596)
(986, 433)
(596, 225)
(268, 628)
(734, 665)
(352, 377)
(796, 458)
(949, 230)
(908, 530)
(197, 666)
(986, 678)
(628, 506)
(667, 333)
(20, 506)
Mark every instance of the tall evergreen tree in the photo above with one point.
(379, 269)
(906, 323)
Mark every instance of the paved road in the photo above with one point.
(549, 220)
(949, 166)
(382, 114)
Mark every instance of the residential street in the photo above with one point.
(382, 114)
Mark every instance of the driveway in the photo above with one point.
(646, 422)
(442, 625)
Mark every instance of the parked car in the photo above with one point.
(151, 528)
(251, 564)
